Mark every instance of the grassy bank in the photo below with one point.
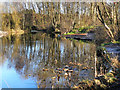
(80, 30)
(116, 42)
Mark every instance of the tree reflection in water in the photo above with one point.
(45, 59)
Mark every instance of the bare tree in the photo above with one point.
(103, 21)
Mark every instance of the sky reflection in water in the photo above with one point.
(24, 57)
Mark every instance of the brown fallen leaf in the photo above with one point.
(76, 86)
(79, 64)
(84, 68)
(70, 63)
(45, 69)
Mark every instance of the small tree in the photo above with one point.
(108, 17)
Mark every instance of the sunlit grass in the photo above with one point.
(104, 44)
(80, 30)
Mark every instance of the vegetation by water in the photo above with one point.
(117, 42)
(80, 30)
(66, 17)
(30, 47)
(109, 80)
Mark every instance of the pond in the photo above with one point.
(39, 61)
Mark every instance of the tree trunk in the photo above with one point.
(109, 31)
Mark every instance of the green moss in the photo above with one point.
(85, 29)
(104, 44)
(80, 30)
(69, 33)
(116, 42)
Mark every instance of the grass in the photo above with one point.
(104, 44)
(80, 30)
(85, 29)
(69, 33)
(116, 42)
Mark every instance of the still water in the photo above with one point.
(39, 61)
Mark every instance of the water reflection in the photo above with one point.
(45, 59)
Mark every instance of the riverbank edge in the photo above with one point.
(110, 80)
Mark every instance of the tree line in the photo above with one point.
(64, 16)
